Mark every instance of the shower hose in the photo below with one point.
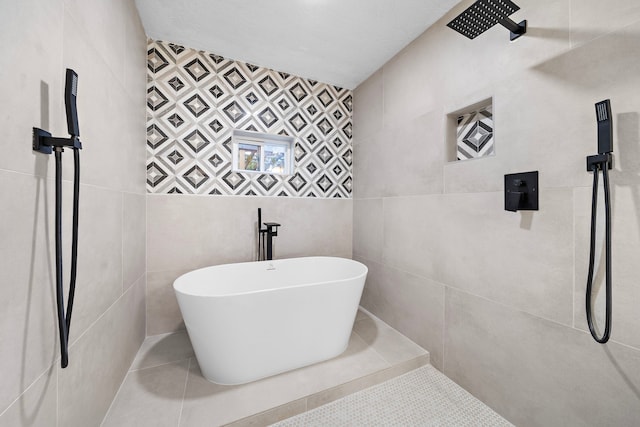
(594, 204)
(64, 319)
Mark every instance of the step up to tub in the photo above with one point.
(165, 381)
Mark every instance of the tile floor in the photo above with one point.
(422, 397)
(164, 386)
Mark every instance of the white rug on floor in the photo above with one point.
(423, 397)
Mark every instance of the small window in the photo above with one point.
(261, 152)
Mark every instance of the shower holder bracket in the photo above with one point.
(44, 143)
(597, 159)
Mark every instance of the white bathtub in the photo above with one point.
(252, 320)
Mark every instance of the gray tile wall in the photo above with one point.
(103, 41)
(497, 297)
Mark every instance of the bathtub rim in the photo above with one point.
(295, 286)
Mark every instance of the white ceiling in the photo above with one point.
(341, 42)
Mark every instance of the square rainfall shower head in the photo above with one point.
(484, 14)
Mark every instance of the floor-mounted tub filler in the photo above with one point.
(251, 320)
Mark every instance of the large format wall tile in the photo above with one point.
(28, 329)
(367, 106)
(592, 18)
(102, 24)
(188, 232)
(403, 160)
(367, 228)
(625, 246)
(470, 242)
(369, 159)
(310, 227)
(163, 312)
(409, 303)
(97, 40)
(418, 157)
(99, 361)
(152, 395)
(36, 406)
(99, 280)
(134, 218)
(32, 92)
(535, 372)
(108, 153)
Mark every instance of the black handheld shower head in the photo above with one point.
(484, 14)
(70, 95)
(605, 126)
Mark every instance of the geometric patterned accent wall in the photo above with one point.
(475, 134)
(195, 100)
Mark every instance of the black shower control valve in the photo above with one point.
(521, 191)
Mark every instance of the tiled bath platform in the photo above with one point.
(164, 386)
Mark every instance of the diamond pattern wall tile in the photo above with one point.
(475, 134)
(156, 99)
(268, 117)
(155, 60)
(196, 99)
(197, 70)
(268, 85)
(155, 136)
(298, 91)
(235, 78)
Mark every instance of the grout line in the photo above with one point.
(160, 364)
(184, 393)
(573, 256)
(388, 326)
(50, 367)
(57, 396)
(146, 264)
(122, 244)
(444, 328)
(100, 317)
(70, 181)
(570, 25)
(29, 386)
(115, 397)
(369, 346)
(455, 288)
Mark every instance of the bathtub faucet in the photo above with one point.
(265, 238)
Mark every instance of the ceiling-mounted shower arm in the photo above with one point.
(516, 29)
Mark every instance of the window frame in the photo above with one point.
(261, 140)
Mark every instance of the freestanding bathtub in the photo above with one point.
(252, 320)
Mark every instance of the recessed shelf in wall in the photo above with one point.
(470, 132)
